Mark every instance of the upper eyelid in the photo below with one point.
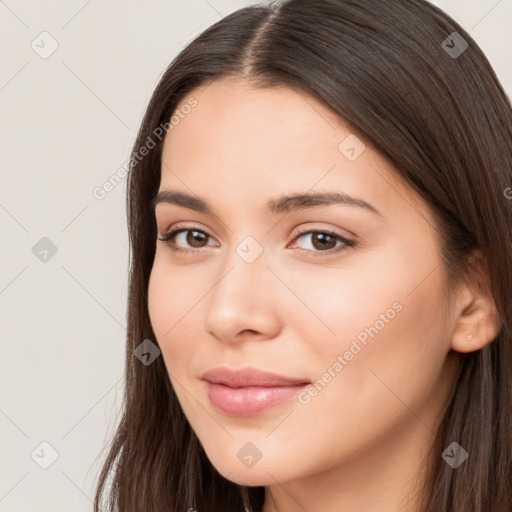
(184, 226)
(348, 234)
(187, 227)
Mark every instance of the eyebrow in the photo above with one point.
(275, 206)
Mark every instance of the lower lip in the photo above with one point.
(249, 401)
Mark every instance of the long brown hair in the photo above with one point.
(390, 69)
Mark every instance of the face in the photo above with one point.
(345, 296)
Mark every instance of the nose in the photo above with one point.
(243, 304)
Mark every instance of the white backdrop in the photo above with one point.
(75, 78)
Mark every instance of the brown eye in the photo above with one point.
(324, 242)
(193, 238)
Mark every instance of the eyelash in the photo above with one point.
(167, 237)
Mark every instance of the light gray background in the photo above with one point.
(67, 124)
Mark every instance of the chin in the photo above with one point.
(250, 478)
(259, 475)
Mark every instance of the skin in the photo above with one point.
(361, 441)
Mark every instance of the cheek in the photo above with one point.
(172, 293)
(388, 351)
(160, 304)
(169, 302)
(370, 331)
(364, 390)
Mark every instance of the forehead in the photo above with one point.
(231, 110)
(252, 143)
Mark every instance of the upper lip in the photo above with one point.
(249, 377)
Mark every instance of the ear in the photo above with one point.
(477, 322)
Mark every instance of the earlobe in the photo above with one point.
(478, 322)
(476, 330)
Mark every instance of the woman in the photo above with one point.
(320, 301)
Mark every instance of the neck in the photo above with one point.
(387, 477)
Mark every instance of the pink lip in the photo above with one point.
(247, 392)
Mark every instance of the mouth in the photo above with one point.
(248, 392)
(249, 400)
